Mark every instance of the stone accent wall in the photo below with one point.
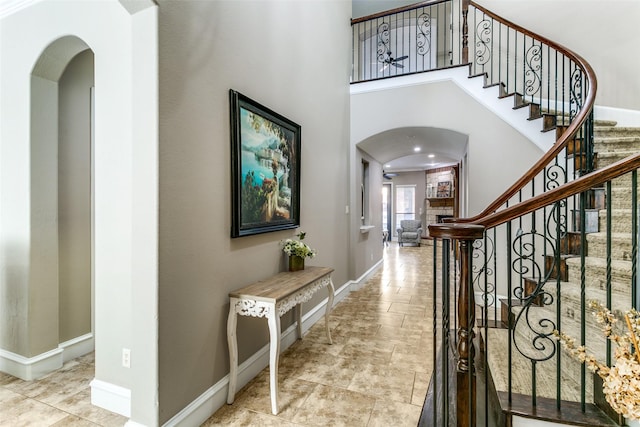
(435, 204)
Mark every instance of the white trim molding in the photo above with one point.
(30, 368)
(111, 397)
(77, 347)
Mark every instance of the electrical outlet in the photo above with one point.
(126, 358)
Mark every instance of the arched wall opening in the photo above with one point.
(125, 203)
(60, 276)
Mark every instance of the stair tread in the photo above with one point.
(600, 262)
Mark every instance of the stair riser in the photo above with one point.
(607, 159)
(608, 132)
(595, 277)
(620, 221)
(608, 145)
(620, 248)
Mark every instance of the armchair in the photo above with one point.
(410, 231)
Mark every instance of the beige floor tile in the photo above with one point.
(80, 405)
(332, 406)
(388, 413)
(292, 394)
(232, 416)
(384, 381)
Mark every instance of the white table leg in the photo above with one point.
(274, 353)
(232, 340)
(299, 320)
(329, 307)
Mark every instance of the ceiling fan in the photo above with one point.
(388, 175)
(388, 59)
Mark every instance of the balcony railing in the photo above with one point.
(422, 37)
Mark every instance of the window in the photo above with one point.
(405, 203)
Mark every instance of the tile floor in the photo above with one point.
(62, 398)
(375, 374)
(377, 371)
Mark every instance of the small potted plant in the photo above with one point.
(297, 251)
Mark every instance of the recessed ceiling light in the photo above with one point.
(416, 149)
(431, 156)
(387, 166)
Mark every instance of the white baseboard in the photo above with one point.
(357, 284)
(215, 397)
(31, 368)
(77, 347)
(111, 397)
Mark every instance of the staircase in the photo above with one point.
(612, 143)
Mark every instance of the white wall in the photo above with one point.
(604, 34)
(445, 105)
(125, 167)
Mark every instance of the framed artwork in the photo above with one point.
(265, 169)
(444, 189)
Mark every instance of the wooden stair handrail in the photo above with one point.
(397, 10)
(562, 141)
(469, 231)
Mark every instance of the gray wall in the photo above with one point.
(366, 247)
(206, 48)
(74, 197)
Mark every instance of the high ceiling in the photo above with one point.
(415, 148)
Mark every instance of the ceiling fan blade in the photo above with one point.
(401, 58)
(397, 65)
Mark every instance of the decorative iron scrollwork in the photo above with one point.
(576, 89)
(383, 41)
(532, 76)
(484, 251)
(423, 25)
(483, 43)
(536, 341)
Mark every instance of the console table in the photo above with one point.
(271, 298)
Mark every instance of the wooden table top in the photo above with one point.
(280, 286)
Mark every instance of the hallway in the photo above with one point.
(375, 374)
(377, 371)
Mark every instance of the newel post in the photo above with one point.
(465, 234)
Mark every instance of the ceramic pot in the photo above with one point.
(296, 263)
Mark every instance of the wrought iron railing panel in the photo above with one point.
(411, 41)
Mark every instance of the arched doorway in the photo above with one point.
(61, 199)
(126, 187)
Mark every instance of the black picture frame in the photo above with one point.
(265, 168)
